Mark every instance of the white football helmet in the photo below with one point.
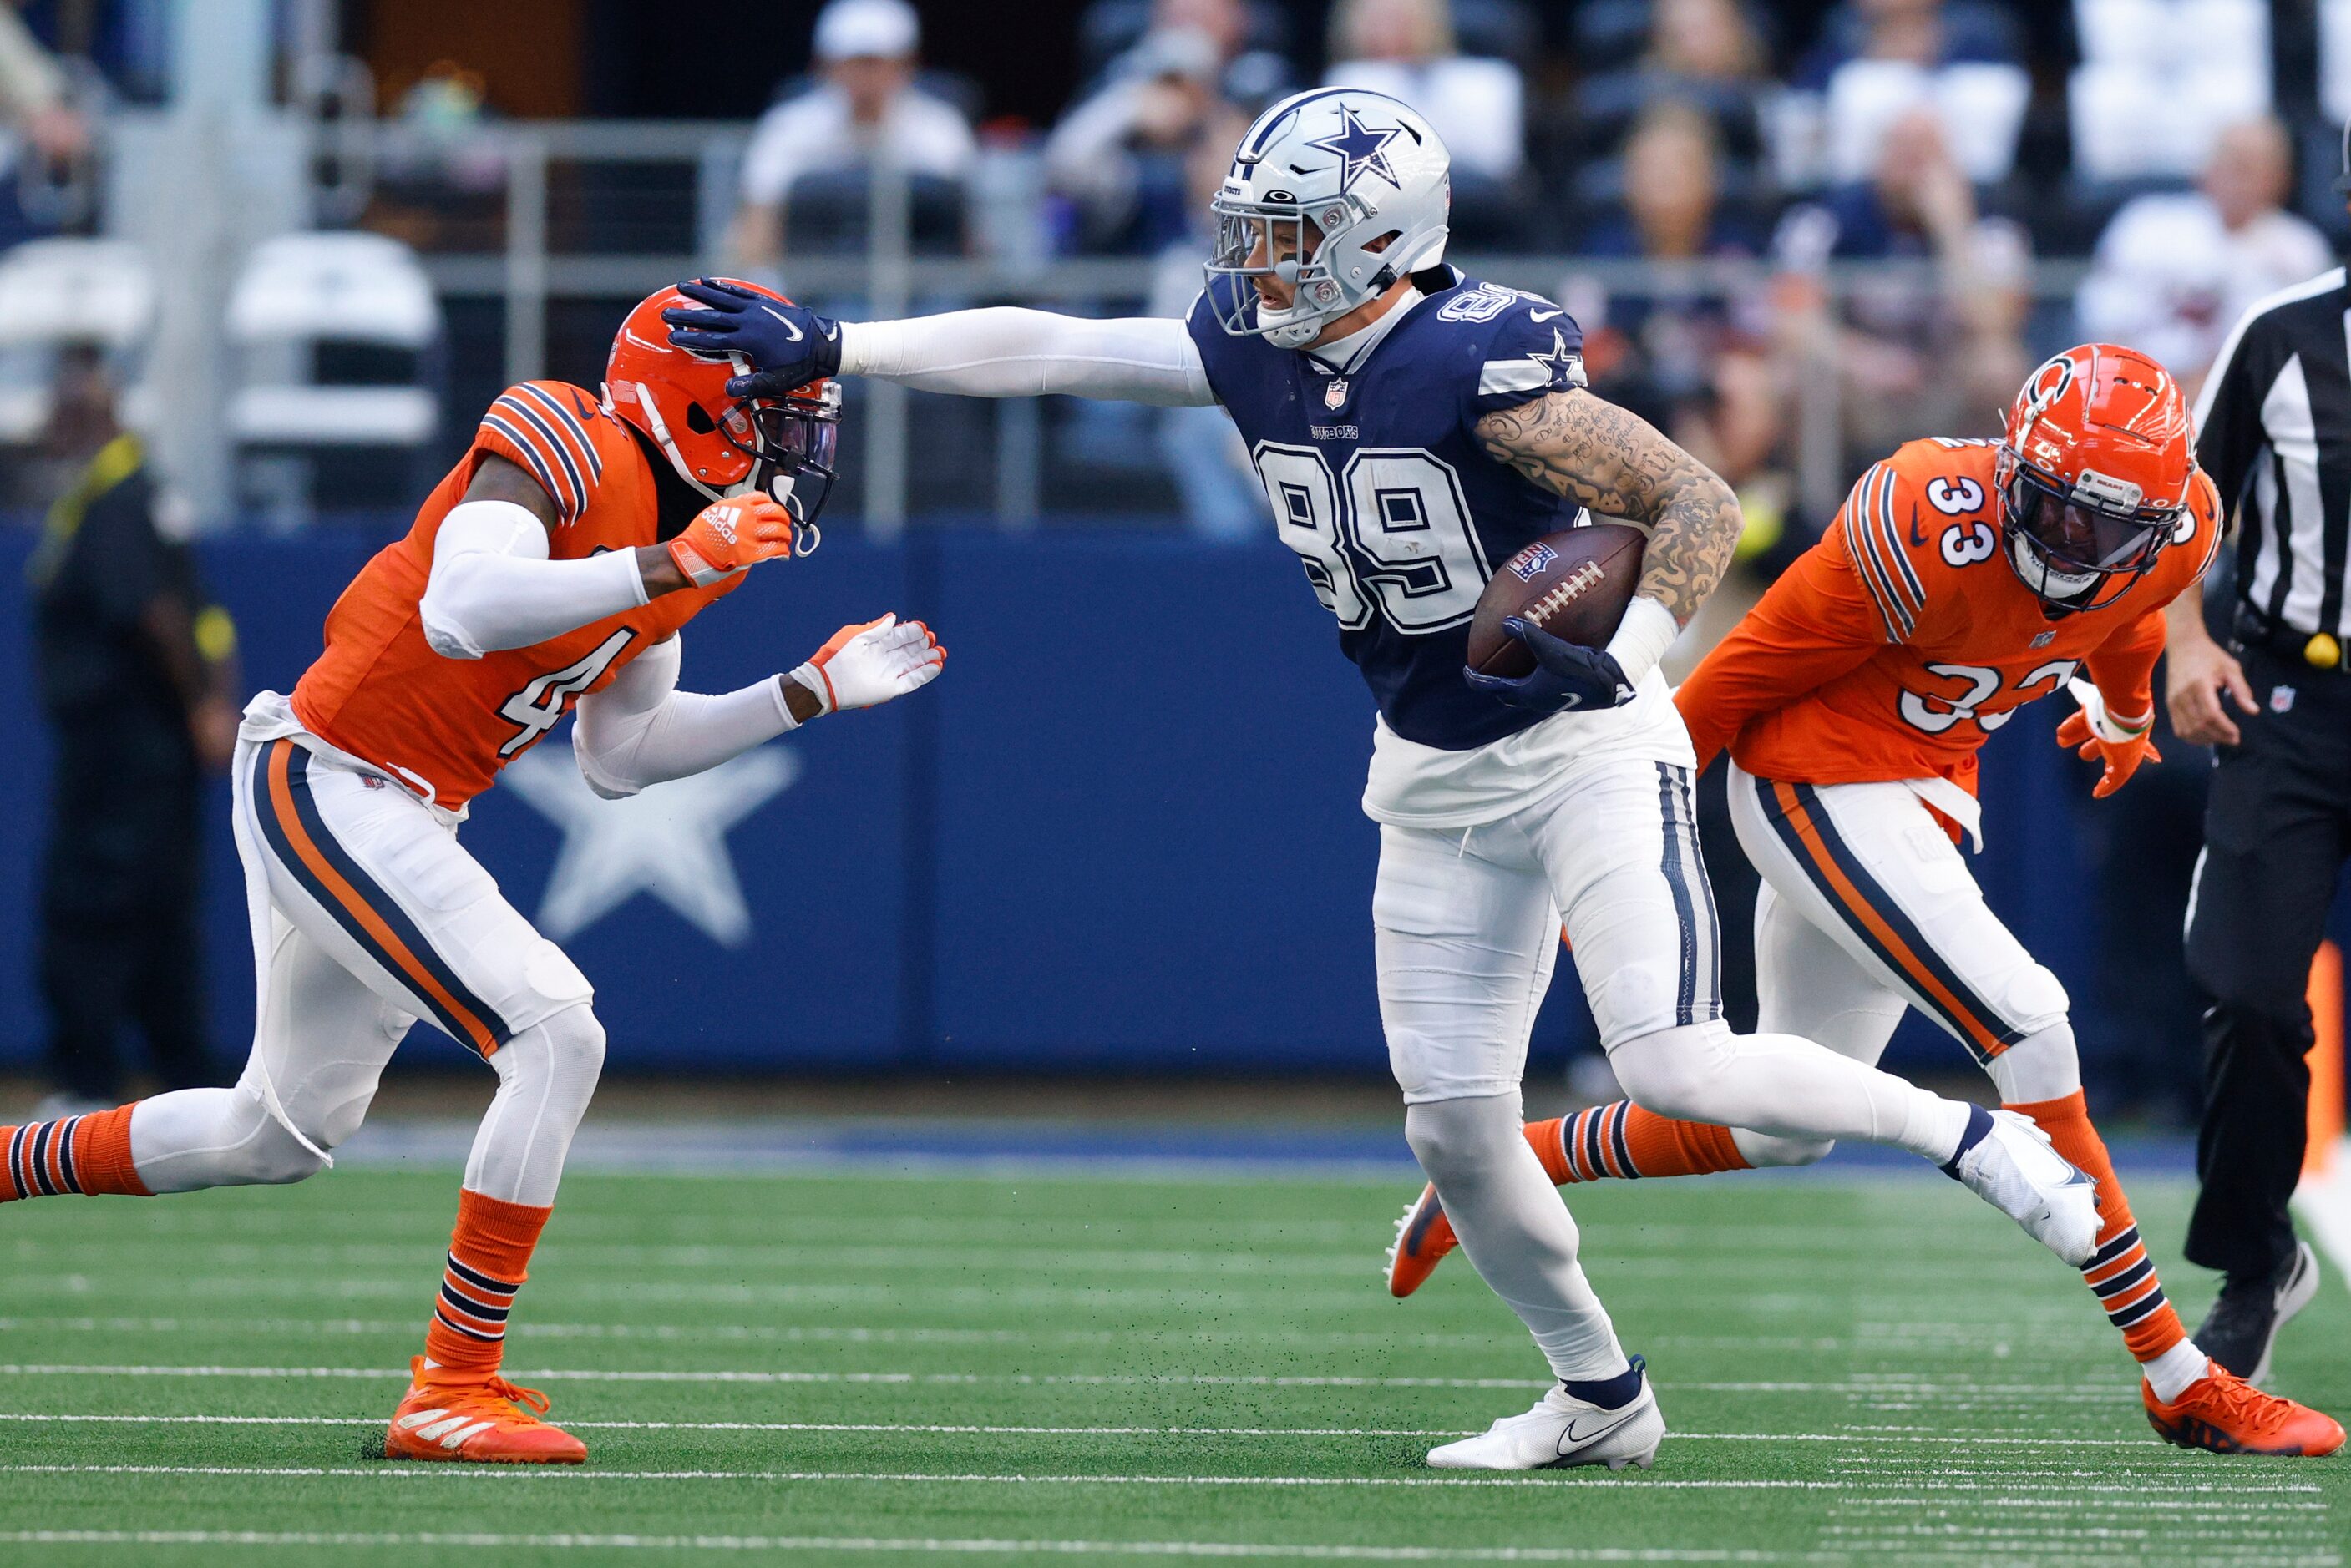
(1344, 168)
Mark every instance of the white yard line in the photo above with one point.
(1901, 1387)
(970, 1546)
(794, 1333)
(2197, 1494)
(44, 1417)
(411, 1471)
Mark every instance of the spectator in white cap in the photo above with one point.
(864, 101)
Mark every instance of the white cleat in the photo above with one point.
(2013, 1167)
(1560, 1432)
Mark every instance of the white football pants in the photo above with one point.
(367, 916)
(1867, 909)
(1467, 929)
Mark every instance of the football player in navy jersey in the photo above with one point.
(1413, 429)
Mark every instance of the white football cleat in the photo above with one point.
(2013, 1167)
(1562, 1430)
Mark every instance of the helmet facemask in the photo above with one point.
(2080, 547)
(1323, 254)
(789, 443)
(791, 447)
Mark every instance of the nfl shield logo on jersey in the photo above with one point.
(1335, 393)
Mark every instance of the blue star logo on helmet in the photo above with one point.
(1359, 147)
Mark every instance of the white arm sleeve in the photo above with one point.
(641, 730)
(493, 587)
(1009, 353)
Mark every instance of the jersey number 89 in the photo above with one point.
(1390, 535)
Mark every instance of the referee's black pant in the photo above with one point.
(2277, 827)
(121, 938)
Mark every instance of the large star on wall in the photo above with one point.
(1359, 147)
(669, 842)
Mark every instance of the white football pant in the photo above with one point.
(1867, 907)
(368, 916)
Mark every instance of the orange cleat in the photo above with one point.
(2227, 1414)
(1424, 1236)
(479, 1420)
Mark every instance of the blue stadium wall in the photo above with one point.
(1121, 835)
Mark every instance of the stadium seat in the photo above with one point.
(2160, 79)
(336, 335)
(59, 293)
(1980, 105)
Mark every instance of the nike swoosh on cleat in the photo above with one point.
(797, 334)
(1579, 1439)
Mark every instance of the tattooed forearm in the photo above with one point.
(1596, 453)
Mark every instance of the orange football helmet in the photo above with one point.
(722, 446)
(2095, 474)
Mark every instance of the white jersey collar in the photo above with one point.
(1343, 354)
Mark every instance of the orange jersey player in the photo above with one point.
(551, 569)
(1961, 580)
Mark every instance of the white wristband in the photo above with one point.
(810, 676)
(1642, 638)
(783, 704)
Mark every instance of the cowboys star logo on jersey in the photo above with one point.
(1359, 147)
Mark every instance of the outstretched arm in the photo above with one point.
(641, 729)
(1616, 463)
(994, 353)
(1010, 353)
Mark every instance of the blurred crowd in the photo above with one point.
(1702, 170)
(1795, 233)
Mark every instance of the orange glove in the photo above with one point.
(2095, 733)
(730, 537)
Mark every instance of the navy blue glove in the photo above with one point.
(789, 346)
(1567, 677)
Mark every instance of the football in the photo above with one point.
(1573, 584)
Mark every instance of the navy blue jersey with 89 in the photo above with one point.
(1377, 479)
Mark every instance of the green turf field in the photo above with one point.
(859, 1367)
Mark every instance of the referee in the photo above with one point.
(2274, 432)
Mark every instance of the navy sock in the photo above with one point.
(1610, 1393)
(1978, 1129)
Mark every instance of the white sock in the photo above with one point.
(2176, 1371)
(1515, 1230)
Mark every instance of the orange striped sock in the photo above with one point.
(1621, 1139)
(489, 1259)
(90, 1155)
(2119, 1272)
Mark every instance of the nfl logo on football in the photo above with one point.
(1530, 562)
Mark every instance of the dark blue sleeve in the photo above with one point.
(1207, 336)
(1532, 348)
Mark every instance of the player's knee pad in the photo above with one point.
(2034, 1000)
(2044, 1065)
(1675, 1072)
(258, 1149)
(1763, 1151)
(1454, 1138)
(566, 1048)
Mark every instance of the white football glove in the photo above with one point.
(870, 663)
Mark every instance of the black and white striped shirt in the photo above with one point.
(2274, 429)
